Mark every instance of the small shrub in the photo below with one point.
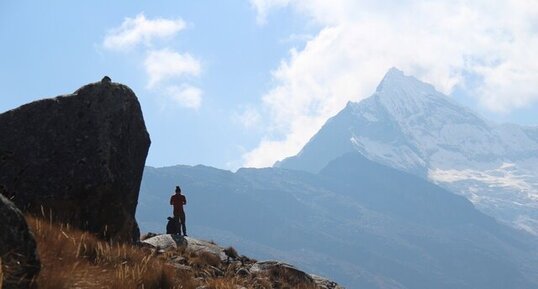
(231, 253)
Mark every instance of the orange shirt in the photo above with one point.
(178, 201)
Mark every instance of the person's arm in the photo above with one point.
(171, 200)
(184, 200)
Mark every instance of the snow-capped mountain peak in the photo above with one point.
(395, 79)
(404, 96)
(408, 125)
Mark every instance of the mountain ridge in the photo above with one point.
(327, 224)
(406, 124)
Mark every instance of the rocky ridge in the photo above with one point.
(184, 253)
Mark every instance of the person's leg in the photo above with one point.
(183, 226)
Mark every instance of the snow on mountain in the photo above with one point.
(408, 125)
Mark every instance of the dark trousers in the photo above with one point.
(180, 218)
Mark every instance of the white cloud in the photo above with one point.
(249, 118)
(264, 6)
(165, 64)
(134, 31)
(440, 42)
(185, 95)
(266, 153)
(270, 150)
(161, 65)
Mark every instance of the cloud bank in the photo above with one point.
(484, 47)
(163, 65)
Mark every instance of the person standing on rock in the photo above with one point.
(178, 201)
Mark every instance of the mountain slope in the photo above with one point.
(360, 223)
(406, 124)
(404, 196)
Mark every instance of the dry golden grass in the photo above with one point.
(225, 283)
(71, 258)
(202, 259)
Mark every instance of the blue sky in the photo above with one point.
(235, 83)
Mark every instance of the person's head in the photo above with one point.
(178, 190)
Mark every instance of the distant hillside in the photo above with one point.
(357, 222)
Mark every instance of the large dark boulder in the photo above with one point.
(78, 158)
(18, 253)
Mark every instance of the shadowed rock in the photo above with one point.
(293, 275)
(17, 248)
(78, 157)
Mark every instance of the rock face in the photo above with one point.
(78, 158)
(17, 248)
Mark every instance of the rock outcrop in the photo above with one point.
(18, 253)
(165, 242)
(78, 158)
(212, 261)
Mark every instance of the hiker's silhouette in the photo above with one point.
(178, 201)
